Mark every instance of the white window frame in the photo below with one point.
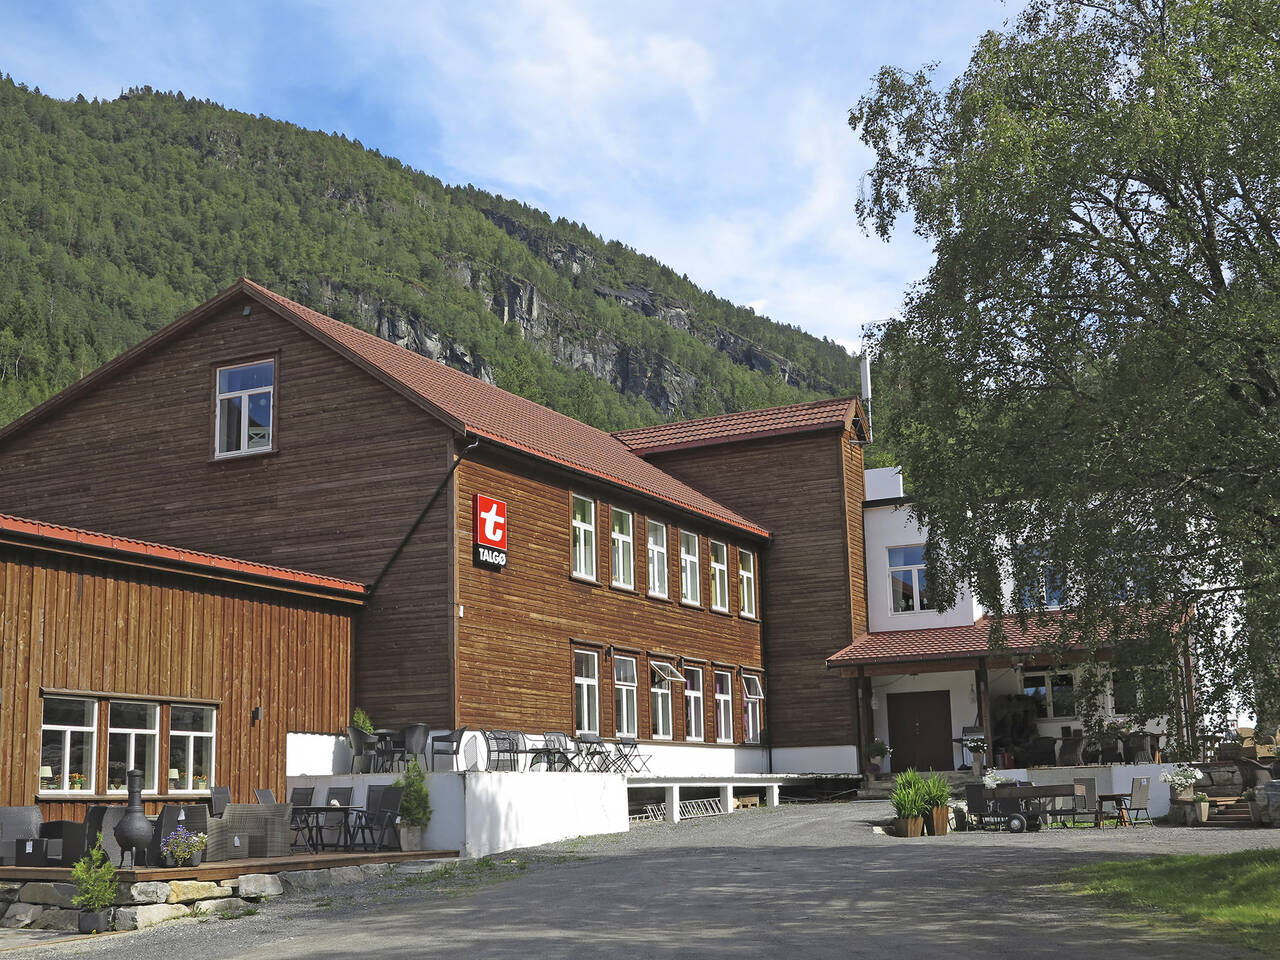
(244, 395)
(1045, 573)
(690, 571)
(724, 707)
(626, 704)
(659, 703)
(694, 709)
(917, 572)
(188, 775)
(719, 576)
(747, 583)
(586, 692)
(66, 730)
(1049, 675)
(582, 557)
(622, 550)
(134, 733)
(657, 560)
(752, 708)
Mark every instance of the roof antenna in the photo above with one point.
(866, 390)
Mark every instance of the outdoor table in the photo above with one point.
(1122, 812)
(1029, 798)
(314, 815)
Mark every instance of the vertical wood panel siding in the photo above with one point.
(354, 465)
(806, 489)
(514, 650)
(84, 624)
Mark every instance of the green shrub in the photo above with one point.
(360, 720)
(937, 791)
(95, 878)
(908, 796)
(415, 805)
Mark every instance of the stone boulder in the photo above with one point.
(153, 891)
(21, 915)
(256, 886)
(207, 908)
(54, 918)
(48, 894)
(188, 891)
(148, 915)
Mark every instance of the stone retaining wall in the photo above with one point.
(42, 905)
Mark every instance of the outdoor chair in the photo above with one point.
(417, 740)
(592, 753)
(560, 751)
(389, 752)
(447, 745)
(300, 822)
(1138, 799)
(194, 818)
(64, 839)
(629, 759)
(501, 751)
(1042, 752)
(1060, 810)
(378, 821)
(1069, 752)
(1088, 807)
(1137, 748)
(261, 829)
(264, 795)
(364, 748)
(332, 822)
(219, 797)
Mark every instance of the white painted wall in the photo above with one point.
(315, 753)
(882, 483)
(1110, 778)
(841, 759)
(885, 527)
(480, 813)
(677, 759)
(964, 703)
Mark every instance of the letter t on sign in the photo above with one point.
(489, 531)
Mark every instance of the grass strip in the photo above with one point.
(1236, 895)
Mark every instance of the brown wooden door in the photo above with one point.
(920, 730)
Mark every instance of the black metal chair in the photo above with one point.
(389, 753)
(301, 820)
(560, 752)
(501, 750)
(219, 797)
(417, 741)
(375, 823)
(364, 749)
(1069, 752)
(1043, 752)
(263, 795)
(628, 758)
(592, 753)
(447, 745)
(334, 822)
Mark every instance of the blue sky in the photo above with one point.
(711, 135)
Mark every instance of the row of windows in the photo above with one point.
(907, 585)
(622, 554)
(626, 685)
(69, 737)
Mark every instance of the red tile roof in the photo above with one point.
(53, 533)
(946, 643)
(837, 413)
(487, 411)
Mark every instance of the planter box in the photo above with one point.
(95, 922)
(412, 838)
(908, 826)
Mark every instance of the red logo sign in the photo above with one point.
(490, 517)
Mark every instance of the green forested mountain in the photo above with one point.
(116, 217)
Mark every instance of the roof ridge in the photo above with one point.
(653, 428)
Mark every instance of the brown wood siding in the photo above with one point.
(806, 489)
(72, 623)
(515, 637)
(354, 465)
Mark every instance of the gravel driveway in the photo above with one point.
(797, 881)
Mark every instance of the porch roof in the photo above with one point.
(948, 643)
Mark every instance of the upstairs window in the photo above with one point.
(623, 547)
(907, 581)
(657, 560)
(747, 583)
(719, 577)
(690, 577)
(244, 408)
(584, 538)
(1045, 586)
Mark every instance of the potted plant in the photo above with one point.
(908, 803)
(78, 781)
(415, 808)
(876, 752)
(977, 747)
(1256, 807)
(1202, 809)
(360, 720)
(183, 847)
(202, 783)
(94, 876)
(1181, 780)
(936, 794)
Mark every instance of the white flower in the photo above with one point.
(992, 779)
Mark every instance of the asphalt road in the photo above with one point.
(796, 882)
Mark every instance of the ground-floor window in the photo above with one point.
(68, 737)
(133, 737)
(693, 703)
(191, 731)
(660, 699)
(624, 696)
(724, 706)
(586, 692)
(1053, 693)
(752, 708)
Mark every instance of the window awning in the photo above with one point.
(665, 671)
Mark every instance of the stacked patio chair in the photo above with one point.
(447, 745)
(1139, 797)
(417, 740)
(377, 822)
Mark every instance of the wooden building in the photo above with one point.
(798, 471)
(117, 653)
(604, 594)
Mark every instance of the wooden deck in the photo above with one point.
(226, 869)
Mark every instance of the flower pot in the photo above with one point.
(1202, 813)
(908, 826)
(412, 838)
(1181, 793)
(941, 817)
(96, 922)
(1255, 811)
